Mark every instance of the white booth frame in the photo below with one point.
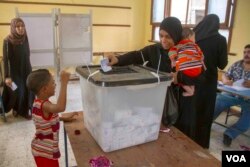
(64, 39)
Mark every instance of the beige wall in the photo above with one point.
(241, 30)
(105, 38)
(148, 31)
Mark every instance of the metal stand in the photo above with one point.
(66, 148)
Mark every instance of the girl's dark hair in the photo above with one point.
(37, 79)
(247, 46)
(187, 32)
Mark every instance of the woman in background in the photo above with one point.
(214, 48)
(16, 57)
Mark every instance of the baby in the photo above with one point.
(187, 60)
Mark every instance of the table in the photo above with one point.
(245, 94)
(171, 149)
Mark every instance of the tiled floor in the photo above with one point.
(16, 135)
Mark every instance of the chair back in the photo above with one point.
(220, 73)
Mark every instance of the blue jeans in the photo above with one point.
(223, 102)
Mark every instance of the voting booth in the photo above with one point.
(58, 40)
(122, 107)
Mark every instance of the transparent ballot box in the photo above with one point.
(122, 107)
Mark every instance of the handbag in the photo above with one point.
(171, 106)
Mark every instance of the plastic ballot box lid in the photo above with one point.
(122, 75)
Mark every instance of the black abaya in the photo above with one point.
(17, 66)
(214, 48)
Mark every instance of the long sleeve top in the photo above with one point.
(154, 54)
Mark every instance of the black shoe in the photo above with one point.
(28, 117)
(227, 140)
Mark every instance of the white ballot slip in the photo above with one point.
(13, 86)
(237, 85)
(104, 65)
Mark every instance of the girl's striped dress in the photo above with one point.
(46, 140)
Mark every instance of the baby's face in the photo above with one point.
(192, 37)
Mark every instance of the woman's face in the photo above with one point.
(165, 39)
(20, 28)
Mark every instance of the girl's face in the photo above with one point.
(20, 28)
(51, 87)
(165, 39)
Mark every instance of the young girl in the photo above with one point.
(45, 145)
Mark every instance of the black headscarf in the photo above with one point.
(208, 27)
(14, 37)
(173, 27)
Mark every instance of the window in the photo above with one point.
(191, 12)
(187, 10)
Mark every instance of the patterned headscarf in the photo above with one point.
(14, 37)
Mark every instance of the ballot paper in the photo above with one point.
(104, 65)
(237, 85)
(13, 86)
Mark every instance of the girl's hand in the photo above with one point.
(70, 117)
(8, 82)
(64, 76)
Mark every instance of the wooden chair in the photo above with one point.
(233, 111)
(220, 73)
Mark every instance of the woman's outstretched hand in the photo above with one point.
(8, 82)
(112, 59)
